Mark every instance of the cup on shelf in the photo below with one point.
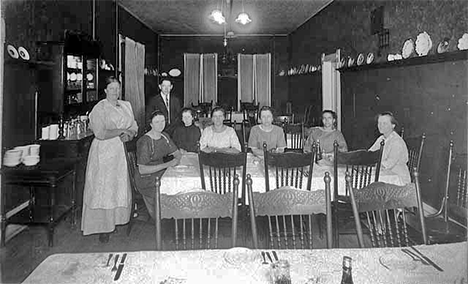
(31, 160)
(12, 158)
(45, 133)
(34, 149)
(24, 151)
(53, 132)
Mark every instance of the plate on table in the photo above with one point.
(241, 256)
(397, 261)
(12, 51)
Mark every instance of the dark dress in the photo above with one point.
(187, 137)
(151, 152)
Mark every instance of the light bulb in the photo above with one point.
(217, 16)
(243, 19)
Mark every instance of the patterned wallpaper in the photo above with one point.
(345, 25)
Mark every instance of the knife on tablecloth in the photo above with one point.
(121, 266)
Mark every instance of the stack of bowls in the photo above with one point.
(31, 160)
(12, 158)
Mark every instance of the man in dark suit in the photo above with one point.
(167, 103)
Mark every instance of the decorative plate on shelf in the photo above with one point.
(423, 44)
(89, 77)
(408, 48)
(370, 58)
(350, 61)
(463, 42)
(79, 76)
(12, 51)
(23, 53)
(443, 45)
(343, 62)
(360, 59)
(175, 72)
(73, 77)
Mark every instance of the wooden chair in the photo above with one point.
(364, 168)
(196, 216)
(290, 213)
(384, 208)
(415, 149)
(282, 120)
(454, 202)
(130, 156)
(220, 169)
(250, 112)
(203, 109)
(296, 132)
(290, 168)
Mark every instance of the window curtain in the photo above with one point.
(200, 78)
(135, 79)
(254, 79)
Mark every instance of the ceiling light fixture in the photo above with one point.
(217, 17)
(243, 18)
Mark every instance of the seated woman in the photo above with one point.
(154, 149)
(326, 135)
(219, 137)
(395, 152)
(267, 133)
(187, 136)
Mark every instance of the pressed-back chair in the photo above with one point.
(196, 216)
(296, 134)
(203, 109)
(290, 169)
(130, 156)
(454, 202)
(415, 149)
(364, 168)
(384, 209)
(220, 170)
(290, 213)
(250, 112)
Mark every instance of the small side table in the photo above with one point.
(47, 174)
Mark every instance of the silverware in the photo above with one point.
(269, 257)
(275, 256)
(264, 260)
(115, 263)
(108, 260)
(121, 266)
(427, 259)
(414, 256)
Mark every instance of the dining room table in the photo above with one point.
(243, 265)
(186, 176)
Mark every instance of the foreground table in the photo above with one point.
(186, 176)
(224, 266)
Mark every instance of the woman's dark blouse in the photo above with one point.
(187, 137)
(150, 152)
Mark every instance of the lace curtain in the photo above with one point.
(200, 78)
(254, 79)
(135, 79)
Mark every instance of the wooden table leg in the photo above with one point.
(51, 217)
(73, 200)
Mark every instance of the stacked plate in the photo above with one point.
(12, 158)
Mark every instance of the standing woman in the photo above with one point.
(326, 135)
(219, 137)
(107, 193)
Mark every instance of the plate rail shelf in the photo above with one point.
(416, 60)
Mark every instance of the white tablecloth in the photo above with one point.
(245, 266)
(186, 176)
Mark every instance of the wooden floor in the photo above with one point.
(28, 249)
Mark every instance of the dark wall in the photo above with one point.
(172, 51)
(345, 25)
(429, 99)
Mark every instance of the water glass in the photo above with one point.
(280, 272)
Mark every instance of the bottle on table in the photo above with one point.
(347, 277)
(319, 152)
(282, 275)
